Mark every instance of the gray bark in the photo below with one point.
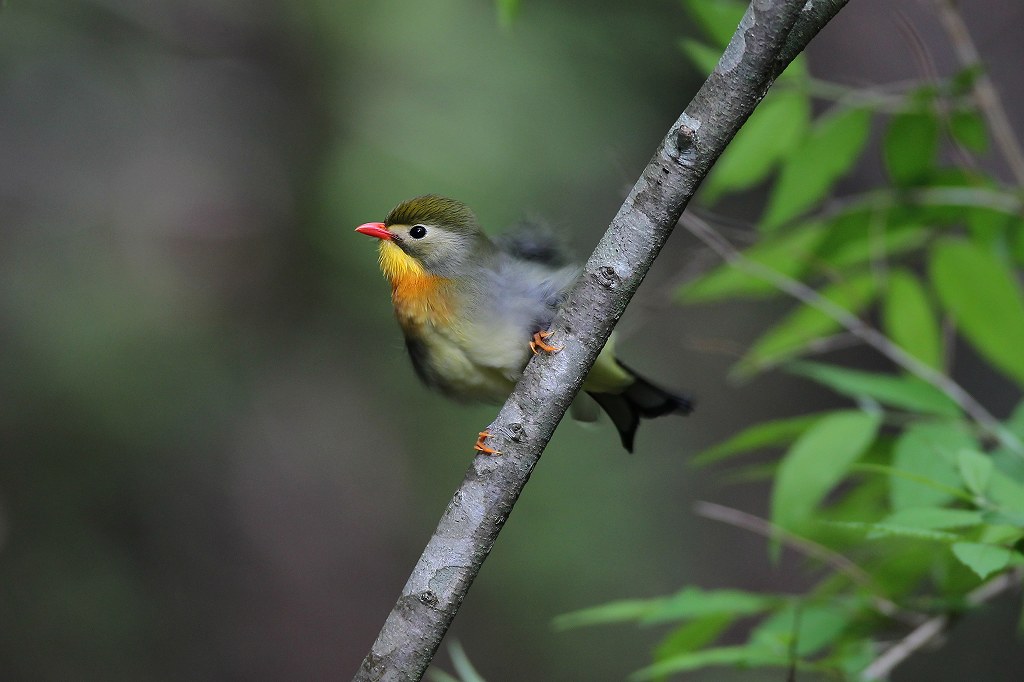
(770, 35)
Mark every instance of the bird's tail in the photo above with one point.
(640, 400)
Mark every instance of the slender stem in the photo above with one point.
(877, 98)
(755, 524)
(871, 336)
(927, 631)
(985, 92)
(980, 197)
(1002, 201)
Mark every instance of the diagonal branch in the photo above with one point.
(770, 35)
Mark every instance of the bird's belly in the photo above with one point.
(444, 361)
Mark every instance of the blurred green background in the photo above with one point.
(216, 461)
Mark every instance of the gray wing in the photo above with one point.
(517, 298)
(532, 292)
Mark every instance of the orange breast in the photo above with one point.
(420, 299)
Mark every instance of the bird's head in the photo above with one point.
(428, 235)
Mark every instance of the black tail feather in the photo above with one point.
(641, 400)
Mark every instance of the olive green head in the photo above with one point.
(432, 209)
(441, 234)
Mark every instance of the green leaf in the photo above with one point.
(789, 254)
(816, 462)
(705, 58)
(1005, 492)
(814, 626)
(1006, 535)
(1003, 518)
(866, 247)
(878, 531)
(717, 19)
(852, 656)
(968, 128)
(952, 492)
(1015, 422)
(463, 667)
(807, 324)
(1007, 460)
(929, 451)
(775, 127)
(981, 293)
(827, 154)
(908, 393)
(975, 470)
(908, 318)
(963, 81)
(910, 146)
(693, 635)
(1017, 243)
(935, 518)
(744, 655)
(983, 559)
(508, 10)
(693, 602)
(989, 227)
(765, 434)
(613, 612)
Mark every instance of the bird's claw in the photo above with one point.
(538, 342)
(481, 447)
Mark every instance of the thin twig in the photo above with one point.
(877, 98)
(871, 336)
(985, 92)
(920, 52)
(1001, 201)
(981, 197)
(1004, 202)
(931, 75)
(924, 633)
(755, 524)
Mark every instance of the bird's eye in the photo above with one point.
(418, 232)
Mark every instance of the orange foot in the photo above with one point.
(538, 342)
(480, 447)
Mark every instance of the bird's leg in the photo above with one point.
(480, 447)
(538, 342)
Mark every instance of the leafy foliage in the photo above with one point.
(915, 489)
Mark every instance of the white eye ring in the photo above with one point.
(418, 231)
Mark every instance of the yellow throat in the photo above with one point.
(418, 296)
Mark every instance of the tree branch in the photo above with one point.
(770, 35)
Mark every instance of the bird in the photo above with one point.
(473, 310)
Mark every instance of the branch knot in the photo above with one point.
(515, 432)
(607, 277)
(684, 140)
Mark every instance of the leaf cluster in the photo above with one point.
(915, 488)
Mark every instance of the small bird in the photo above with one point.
(474, 310)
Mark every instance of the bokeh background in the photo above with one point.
(215, 461)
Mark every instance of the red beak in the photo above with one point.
(374, 230)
